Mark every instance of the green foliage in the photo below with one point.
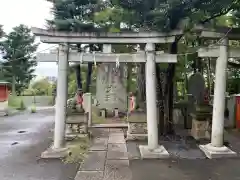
(19, 63)
(33, 109)
(42, 87)
(73, 15)
(16, 102)
(168, 15)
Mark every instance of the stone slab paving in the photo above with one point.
(133, 150)
(94, 162)
(89, 175)
(117, 151)
(107, 158)
(117, 138)
(99, 144)
(117, 170)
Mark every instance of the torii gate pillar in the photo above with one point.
(152, 150)
(58, 149)
(216, 149)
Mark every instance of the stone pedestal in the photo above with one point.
(217, 152)
(158, 153)
(137, 126)
(80, 120)
(200, 129)
(54, 153)
(201, 122)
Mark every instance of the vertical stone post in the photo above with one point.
(152, 150)
(219, 96)
(151, 96)
(107, 48)
(61, 101)
(87, 101)
(216, 149)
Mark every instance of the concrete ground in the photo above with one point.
(184, 169)
(22, 139)
(186, 163)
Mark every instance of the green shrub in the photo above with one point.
(33, 109)
(16, 102)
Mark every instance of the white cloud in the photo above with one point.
(32, 13)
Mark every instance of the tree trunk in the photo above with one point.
(78, 71)
(129, 78)
(78, 76)
(141, 87)
(89, 77)
(13, 86)
(160, 104)
(141, 83)
(170, 89)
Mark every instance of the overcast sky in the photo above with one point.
(32, 13)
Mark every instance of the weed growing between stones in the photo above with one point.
(78, 148)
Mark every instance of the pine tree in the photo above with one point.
(19, 63)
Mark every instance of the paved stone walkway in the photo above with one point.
(107, 158)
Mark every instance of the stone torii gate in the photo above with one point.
(222, 52)
(153, 149)
(106, 76)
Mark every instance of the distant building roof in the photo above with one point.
(3, 82)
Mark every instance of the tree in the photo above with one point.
(76, 16)
(138, 15)
(42, 87)
(19, 62)
(170, 15)
(1, 70)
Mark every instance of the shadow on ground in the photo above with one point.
(183, 169)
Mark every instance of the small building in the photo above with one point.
(3, 97)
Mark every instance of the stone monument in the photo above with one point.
(200, 111)
(111, 92)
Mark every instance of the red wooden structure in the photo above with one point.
(3, 91)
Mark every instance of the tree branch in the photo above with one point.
(235, 65)
(224, 12)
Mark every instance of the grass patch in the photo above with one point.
(16, 102)
(78, 149)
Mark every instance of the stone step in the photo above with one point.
(119, 125)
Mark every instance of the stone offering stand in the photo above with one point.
(137, 126)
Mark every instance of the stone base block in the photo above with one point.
(200, 129)
(70, 137)
(52, 153)
(137, 128)
(217, 152)
(132, 137)
(200, 134)
(159, 153)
